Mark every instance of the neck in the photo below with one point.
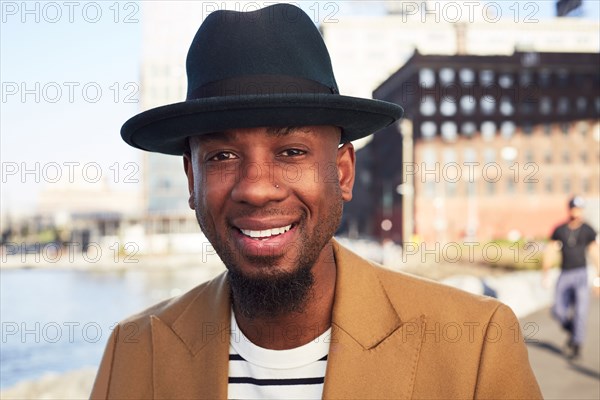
(574, 223)
(292, 330)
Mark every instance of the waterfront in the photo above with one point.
(59, 320)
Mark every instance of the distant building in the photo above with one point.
(365, 51)
(163, 81)
(491, 147)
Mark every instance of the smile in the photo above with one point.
(267, 233)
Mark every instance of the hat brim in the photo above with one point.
(165, 129)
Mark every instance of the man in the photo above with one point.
(573, 239)
(265, 138)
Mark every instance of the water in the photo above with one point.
(56, 320)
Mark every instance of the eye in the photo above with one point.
(222, 156)
(292, 152)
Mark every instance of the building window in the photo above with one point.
(488, 105)
(453, 173)
(428, 130)
(566, 186)
(470, 156)
(549, 185)
(529, 158)
(564, 128)
(527, 106)
(562, 106)
(427, 107)
(562, 77)
(467, 104)
(506, 106)
(488, 130)
(467, 77)
(449, 132)
(544, 78)
(584, 128)
(527, 128)
(545, 105)
(548, 156)
(585, 185)
(446, 76)
(448, 106)
(525, 78)
(427, 78)
(486, 77)
(581, 104)
(547, 129)
(509, 153)
(506, 80)
(468, 129)
(507, 129)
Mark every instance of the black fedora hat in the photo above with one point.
(268, 67)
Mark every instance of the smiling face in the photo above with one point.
(269, 200)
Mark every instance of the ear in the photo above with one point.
(345, 166)
(188, 167)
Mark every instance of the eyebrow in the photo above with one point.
(276, 132)
(282, 131)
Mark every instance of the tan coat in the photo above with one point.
(394, 336)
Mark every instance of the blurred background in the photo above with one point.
(501, 129)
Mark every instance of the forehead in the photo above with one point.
(238, 135)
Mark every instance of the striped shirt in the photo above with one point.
(259, 373)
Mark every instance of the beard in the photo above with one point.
(268, 296)
(274, 291)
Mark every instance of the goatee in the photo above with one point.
(272, 295)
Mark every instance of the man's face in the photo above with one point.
(575, 213)
(270, 199)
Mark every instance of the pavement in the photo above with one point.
(558, 377)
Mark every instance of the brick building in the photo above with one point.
(491, 147)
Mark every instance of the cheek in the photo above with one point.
(211, 192)
(317, 186)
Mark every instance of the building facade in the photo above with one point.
(492, 146)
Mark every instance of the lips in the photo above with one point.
(266, 233)
(264, 237)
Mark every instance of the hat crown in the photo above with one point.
(276, 41)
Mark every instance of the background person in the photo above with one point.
(574, 239)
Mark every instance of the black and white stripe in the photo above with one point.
(258, 373)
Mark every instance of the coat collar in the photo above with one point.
(190, 355)
(373, 352)
(361, 308)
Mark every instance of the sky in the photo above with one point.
(70, 74)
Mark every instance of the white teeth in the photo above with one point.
(266, 233)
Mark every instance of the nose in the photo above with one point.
(257, 185)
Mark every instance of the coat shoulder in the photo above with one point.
(170, 309)
(432, 298)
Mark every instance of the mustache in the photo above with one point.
(265, 212)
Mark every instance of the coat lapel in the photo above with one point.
(191, 355)
(373, 353)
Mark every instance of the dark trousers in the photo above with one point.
(572, 302)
